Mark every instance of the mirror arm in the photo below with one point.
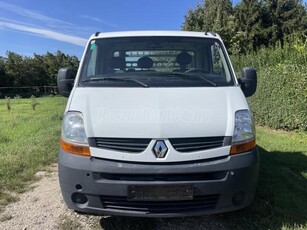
(240, 81)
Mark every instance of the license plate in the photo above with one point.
(160, 192)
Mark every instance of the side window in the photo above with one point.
(91, 69)
(219, 62)
(216, 60)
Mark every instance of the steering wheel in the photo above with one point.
(196, 71)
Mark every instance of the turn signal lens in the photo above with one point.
(241, 148)
(75, 149)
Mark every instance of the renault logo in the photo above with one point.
(160, 149)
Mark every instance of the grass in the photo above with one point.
(281, 198)
(28, 141)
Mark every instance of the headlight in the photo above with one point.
(244, 127)
(74, 139)
(73, 128)
(243, 138)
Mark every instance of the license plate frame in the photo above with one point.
(160, 192)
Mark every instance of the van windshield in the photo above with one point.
(155, 62)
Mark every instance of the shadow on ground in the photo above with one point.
(281, 197)
(280, 201)
(132, 223)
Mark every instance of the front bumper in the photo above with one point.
(219, 185)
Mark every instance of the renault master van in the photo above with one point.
(157, 125)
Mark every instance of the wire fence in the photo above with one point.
(27, 91)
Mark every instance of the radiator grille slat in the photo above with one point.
(198, 203)
(131, 145)
(122, 148)
(120, 144)
(196, 143)
(208, 176)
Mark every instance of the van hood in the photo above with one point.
(158, 112)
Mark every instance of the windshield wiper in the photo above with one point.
(193, 75)
(186, 75)
(129, 79)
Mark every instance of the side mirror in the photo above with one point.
(66, 78)
(248, 81)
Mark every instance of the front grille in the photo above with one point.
(196, 143)
(131, 145)
(199, 203)
(138, 145)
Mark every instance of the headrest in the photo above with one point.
(184, 58)
(117, 63)
(145, 62)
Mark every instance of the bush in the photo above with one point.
(280, 101)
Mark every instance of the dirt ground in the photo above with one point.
(42, 207)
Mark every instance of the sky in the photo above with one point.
(38, 26)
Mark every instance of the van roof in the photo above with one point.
(155, 33)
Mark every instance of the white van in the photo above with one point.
(157, 125)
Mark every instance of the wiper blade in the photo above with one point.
(137, 81)
(193, 75)
(130, 79)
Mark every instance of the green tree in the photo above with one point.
(248, 22)
(39, 70)
(251, 24)
(53, 62)
(212, 15)
(14, 68)
(286, 18)
(4, 80)
(194, 19)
